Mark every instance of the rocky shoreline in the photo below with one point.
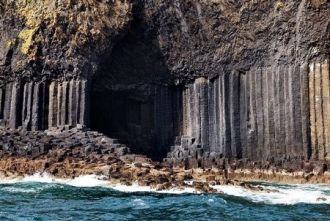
(75, 153)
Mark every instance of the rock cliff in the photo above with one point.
(58, 39)
(194, 81)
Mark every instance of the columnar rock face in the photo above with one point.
(68, 104)
(40, 106)
(319, 86)
(273, 103)
(271, 113)
(211, 122)
(211, 115)
(213, 79)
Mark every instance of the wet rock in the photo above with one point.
(321, 199)
(203, 187)
(163, 186)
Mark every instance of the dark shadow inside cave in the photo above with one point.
(133, 97)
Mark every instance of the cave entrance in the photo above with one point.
(133, 97)
(146, 118)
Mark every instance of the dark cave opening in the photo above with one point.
(122, 114)
(146, 119)
(133, 97)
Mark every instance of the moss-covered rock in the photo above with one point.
(62, 37)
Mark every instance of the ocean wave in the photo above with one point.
(286, 195)
(272, 193)
(137, 188)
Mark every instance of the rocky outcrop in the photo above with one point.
(214, 79)
(34, 144)
(74, 153)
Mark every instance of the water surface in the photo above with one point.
(74, 200)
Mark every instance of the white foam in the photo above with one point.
(281, 194)
(9, 180)
(139, 204)
(81, 181)
(130, 189)
(94, 181)
(290, 194)
(40, 178)
(19, 190)
(137, 188)
(87, 181)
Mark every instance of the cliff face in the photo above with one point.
(205, 38)
(216, 78)
(195, 38)
(55, 39)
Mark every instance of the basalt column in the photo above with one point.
(84, 102)
(274, 113)
(27, 105)
(319, 96)
(234, 108)
(167, 122)
(7, 103)
(68, 104)
(211, 120)
(15, 106)
(202, 88)
(2, 99)
(196, 112)
(42, 105)
(37, 107)
(53, 105)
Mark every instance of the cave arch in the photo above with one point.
(133, 97)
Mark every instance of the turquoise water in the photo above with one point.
(54, 201)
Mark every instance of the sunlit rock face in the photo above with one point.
(190, 81)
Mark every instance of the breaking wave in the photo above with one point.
(270, 193)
